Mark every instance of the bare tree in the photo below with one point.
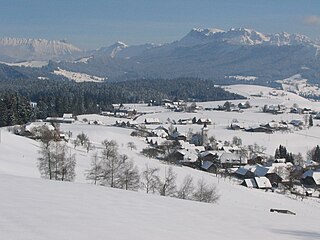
(150, 179)
(236, 141)
(131, 145)
(168, 186)
(88, 145)
(111, 148)
(94, 173)
(130, 177)
(186, 189)
(111, 170)
(83, 138)
(205, 193)
(56, 163)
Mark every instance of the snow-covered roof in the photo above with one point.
(315, 174)
(229, 158)
(263, 182)
(156, 140)
(251, 183)
(152, 120)
(160, 133)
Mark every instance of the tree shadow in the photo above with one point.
(301, 234)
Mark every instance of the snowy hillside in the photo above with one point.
(21, 49)
(78, 77)
(34, 208)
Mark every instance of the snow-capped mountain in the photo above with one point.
(21, 49)
(122, 50)
(241, 36)
(112, 50)
(209, 53)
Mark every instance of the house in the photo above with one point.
(178, 136)
(259, 129)
(185, 121)
(311, 177)
(297, 123)
(212, 156)
(229, 160)
(244, 172)
(257, 182)
(209, 166)
(152, 121)
(155, 141)
(244, 105)
(202, 121)
(160, 133)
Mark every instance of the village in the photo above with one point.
(174, 141)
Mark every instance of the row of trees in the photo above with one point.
(109, 168)
(56, 161)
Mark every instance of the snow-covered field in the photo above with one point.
(299, 85)
(34, 208)
(34, 64)
(78, 77)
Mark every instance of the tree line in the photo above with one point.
(110, 168)
(54, 98)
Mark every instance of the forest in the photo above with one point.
(53, 98)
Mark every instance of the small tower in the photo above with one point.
(205, 138)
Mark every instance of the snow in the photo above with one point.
(299, 85)
(34, 208)
(78, 77)
(33, 64)
(83, 60)
(241, 78)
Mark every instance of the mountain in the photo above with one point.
(22, 49)
(211, 54)
(236, 55)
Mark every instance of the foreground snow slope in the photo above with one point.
(32, 209)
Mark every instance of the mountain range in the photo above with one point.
(233, 55)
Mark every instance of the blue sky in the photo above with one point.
(92, 24)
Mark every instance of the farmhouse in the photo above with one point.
(311, 177)
(257, 182)
(150, 121)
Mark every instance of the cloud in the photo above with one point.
(312, 20)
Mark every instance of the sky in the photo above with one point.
(97, 23)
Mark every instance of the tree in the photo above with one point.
(112, 163)
(150, 179)
(94, 173)
(83, 138)
(236, 141)
(150, 152)
(205, 193)
(310, 121)
(315, 154)
(88, 145)
(168, 186)
(45, 162)
(55, 162)
(131, 145)
(130, 177)
(298, 159)
(306, 119)
(186, 189)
